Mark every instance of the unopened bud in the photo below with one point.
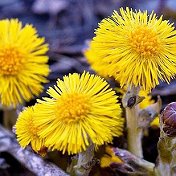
(168, 118)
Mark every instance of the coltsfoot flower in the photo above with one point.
(96, 63)
(81, 109)
(27, 131)
(136, 48)
(109, 158)
(23, 62)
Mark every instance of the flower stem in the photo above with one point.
(134, 133)
(84, 162)
(9, 117)
(130, 101)
(166, 153)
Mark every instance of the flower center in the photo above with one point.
(73, 107)
(144, 41)
(11, 61)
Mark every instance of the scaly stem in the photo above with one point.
(9, 118)
(84, 163)
(166, 154)
(130, 102)
(134, 132)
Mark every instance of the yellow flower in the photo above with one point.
(26, 131)
(82, 108)
(137, 48)
(96, 63)
(155, 123)
(109, 158)
(147, 102)
(22, 62)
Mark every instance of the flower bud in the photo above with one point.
(168, 118)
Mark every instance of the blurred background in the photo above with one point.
(68, 25)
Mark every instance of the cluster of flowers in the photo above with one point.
(81, 109)
(135, 48)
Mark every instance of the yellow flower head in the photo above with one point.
(109, 158)
(137, 48)
(22, 62)
(26, 131)
(82, 108)
(96, 63)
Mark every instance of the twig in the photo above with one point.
(132, 165)
(31, 161)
